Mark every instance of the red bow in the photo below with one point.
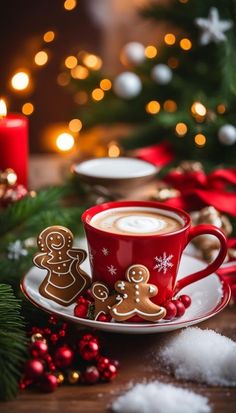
(198, 189)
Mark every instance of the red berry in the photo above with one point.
(186, 300)
(233, 292)
(116, 363)
(89, 337)
(49, 383)
(34, 369)
(63, 357)
(38, 349)
(180, 308)
(89, 351)
(109, 373)
(47, 331)
(91, 375)
(102, 363)
(106, 318)
(171, 310)
(52, 320)
(81, 310)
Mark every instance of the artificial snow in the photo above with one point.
(156, 397)
(202, 356)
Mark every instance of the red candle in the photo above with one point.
(14, 143)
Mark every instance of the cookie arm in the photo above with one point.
(152, 290)
(77, 254)
(120, 286)
(40, 260)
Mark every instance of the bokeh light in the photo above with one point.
(153, 107)
(75, 125)
(49, 36)
(71, 62)
(170, 105)
(65, 142)
(185, 44)
(3, 108)
(221, 108)
(81, 97)
(198, 109)
(63, 79)
(70, 4)
(79, 72)
(105, 84)
(113, 150)
(27, 108)
(97, 94)
(151, 52)
(170, 39)
(20, 80)
(92, 61)
(41, 58)
(173, 62)
(200, 139)
(181, 129)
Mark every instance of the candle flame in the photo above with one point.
(3, 108)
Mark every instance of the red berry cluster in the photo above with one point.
(85, 308)
(176, 307)
(53, 355)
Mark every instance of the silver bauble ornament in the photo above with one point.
(127, 85)
(133, 53)
(161, 74)
(227, 135)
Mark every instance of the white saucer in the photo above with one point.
(209, 297)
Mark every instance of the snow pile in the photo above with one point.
(202, 356)
(156, 397)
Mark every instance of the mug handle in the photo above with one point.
(213, 266)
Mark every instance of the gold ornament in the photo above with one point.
(37, 337)
(206, 243)
(165, 193)
(8, 177)
(73, 376)
(60, 377)
(189, 166)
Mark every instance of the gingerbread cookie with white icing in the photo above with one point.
(103, 300)
(135, 296)
(65, 280)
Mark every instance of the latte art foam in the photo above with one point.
(135, 221)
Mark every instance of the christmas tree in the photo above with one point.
(182, 91)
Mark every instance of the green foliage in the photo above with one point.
(12, 343)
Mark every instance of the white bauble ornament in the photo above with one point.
(133, 53)
(227, 135)
(161, 74)
(127, 85)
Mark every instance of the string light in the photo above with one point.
(198, 109)
(71, 62)
(172, 62)
(81, 97)
(3, 109)
(63, 79)
(97, 94)
(170, 39)
(79, 72)
(49, 36)
(92, 61)
(113, 150)
(221, 108)
(153, 107)
(185, 44)
(105, 84)
(41, 58)
(65, 142)
(183, 1)
(181, 129)
(70, 5)
(75, 125)
(20, 80)
(200, 139)
(170, 105)
(27, 108)
(11, 177)
(150, 52)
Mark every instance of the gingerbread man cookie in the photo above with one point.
(64, 280)
(135, 293)
(102, 298)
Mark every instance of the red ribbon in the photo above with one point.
(159, 155)
(198, 189)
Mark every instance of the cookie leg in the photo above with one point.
(154, 315)
(121, 314)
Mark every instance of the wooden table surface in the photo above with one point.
(135, 355)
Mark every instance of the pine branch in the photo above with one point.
(12, 343)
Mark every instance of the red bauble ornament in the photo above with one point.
(186, 300)
(106, 318)
(171, 310)
(48, 383)
(102, 363)
(109, 373)
(81, 310)
(63, 357)
(54, 338)
(91, 375)
(88, 350)
(13, 193)
(24, 383)
(233, 292)
(180, 308)
(38, 349)
(34, 369)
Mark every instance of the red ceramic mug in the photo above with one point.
(111, 254)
